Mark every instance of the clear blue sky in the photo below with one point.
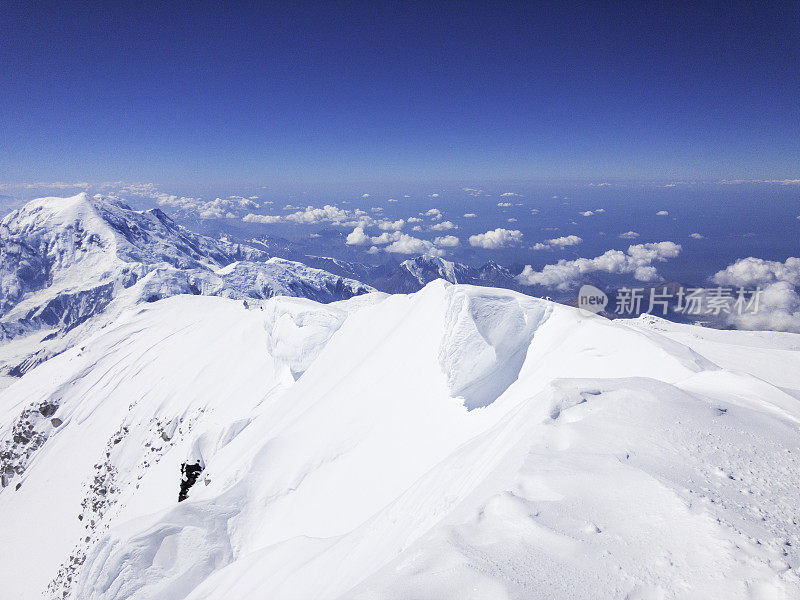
(314, 92)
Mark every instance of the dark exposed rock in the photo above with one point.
(189, 474)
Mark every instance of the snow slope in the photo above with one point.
(459, 442)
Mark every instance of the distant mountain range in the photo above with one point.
(413, 274)
(66, 261)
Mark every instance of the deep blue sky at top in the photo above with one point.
(351, 92)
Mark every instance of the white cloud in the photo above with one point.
(365, 195)
(406, 244)
(697, 236)
(778, 303)
(414, 220)
(386, 238)
(587, 213)
(52, 185)
(505, 204)
(218, 208)
(357, 238)
(662, 213)
(391, 200)
(330, 214)
(268, 219)
(433, 213)
(498, 238)
(771, 181)
(638, 260)
(473, 191)
(566, 240)
(433, 195)
(512, 219)
(444, 226)
(509, 195)
(448, 241)
(629, 235)
(326, 214)
(391, 225)
(751, 272)
(473, 215)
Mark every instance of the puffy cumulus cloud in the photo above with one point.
(512, 220)
(392, 200)
(752, 272)
(697, 236)
(637, 260)
(778, 305)
(357, 237)
(447, 241)
(386, 238)
(218, 208)
(406, 244)
(433, 213)
(662, 213)
(444, 226)
(391, 225)
(587, 213)
(265, 219)
(778, 309)
(629, 235)
(505, 204)
(510, 195)
(413, 220)
(473, 215)
(474, 192)
(497, 238)
(560, 242)
(365, 195)
(327, 214)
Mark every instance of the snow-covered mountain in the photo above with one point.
(413, 274)
(64, 261)
(458, 442)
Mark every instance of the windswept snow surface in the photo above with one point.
(459, 442)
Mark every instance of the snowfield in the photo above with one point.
(458, 442)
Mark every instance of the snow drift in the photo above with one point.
(457, 442)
